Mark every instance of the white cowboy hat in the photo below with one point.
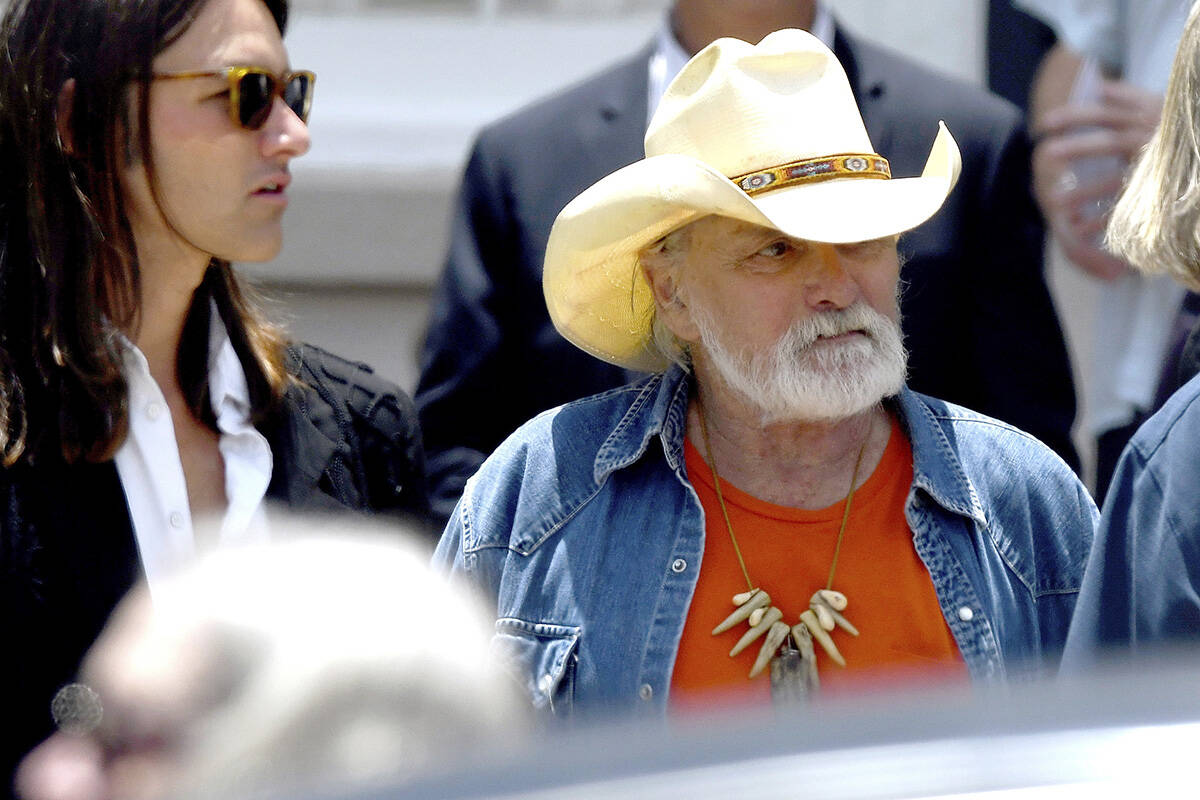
(767, 133)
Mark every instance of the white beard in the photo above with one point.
(801, 379)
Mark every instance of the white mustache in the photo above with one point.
(859, 317)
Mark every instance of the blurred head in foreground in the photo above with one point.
(311, 664)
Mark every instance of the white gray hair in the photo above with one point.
(674, 247)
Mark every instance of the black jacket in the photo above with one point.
(343, 439)
(976, 312)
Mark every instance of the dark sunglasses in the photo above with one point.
(252, 92)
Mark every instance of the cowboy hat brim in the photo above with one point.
(595, 291)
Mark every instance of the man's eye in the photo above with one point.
(775, 249)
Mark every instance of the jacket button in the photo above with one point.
(966, 614)
(678, 565)
(646, 692)
(546, 684)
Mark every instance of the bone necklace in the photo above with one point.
(788, 649)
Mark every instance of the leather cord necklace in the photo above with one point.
(788, 649)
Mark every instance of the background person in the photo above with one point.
(1016, 43)
(975, 267)
(1094, 104)
(780, 460)
(144, 146)
(1142, 585)
(306, 666)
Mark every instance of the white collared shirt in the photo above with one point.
(670, 57)
(151, 471)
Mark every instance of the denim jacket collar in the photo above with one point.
(666, 394)
(935, 469)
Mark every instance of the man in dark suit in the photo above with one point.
(1016, 43)
(492, 359)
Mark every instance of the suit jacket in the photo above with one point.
(343, 439)
(976, 312)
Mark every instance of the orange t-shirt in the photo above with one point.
(788, 551)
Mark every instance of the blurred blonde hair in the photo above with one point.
(1155, 225)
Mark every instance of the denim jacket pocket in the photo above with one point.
(542, 658)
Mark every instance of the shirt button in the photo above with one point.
(646, 692)
(966, 614)
(176, 519)
(678, 565)
(154, 410)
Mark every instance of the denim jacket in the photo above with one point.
(1141, 590)
(585, 532)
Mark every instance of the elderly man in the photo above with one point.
(862, 531)
(489, 327)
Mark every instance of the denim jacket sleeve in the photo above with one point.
(1142, 585)
(484, 532)
(1004, 527)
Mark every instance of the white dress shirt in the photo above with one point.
(151, 471)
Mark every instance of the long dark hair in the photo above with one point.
(69, 277)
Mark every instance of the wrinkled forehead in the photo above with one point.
(714, 239)
(717, 228)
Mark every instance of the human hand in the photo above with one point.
(1131, 113)
(1079, 164)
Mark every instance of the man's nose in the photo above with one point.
(828, 285)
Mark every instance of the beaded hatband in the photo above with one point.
(812, 170)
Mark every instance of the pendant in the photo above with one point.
(789, 649)
(793, 675)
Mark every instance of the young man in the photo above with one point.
(147, 408)
(780, 461)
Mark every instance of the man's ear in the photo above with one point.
(672, 308)
(62, 117)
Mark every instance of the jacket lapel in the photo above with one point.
(614, 135)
